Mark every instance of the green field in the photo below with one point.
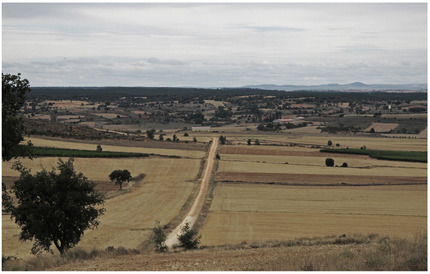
(63, 152)
(409, 156)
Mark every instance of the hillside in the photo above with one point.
(358, 253)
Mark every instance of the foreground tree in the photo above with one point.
(120, 176)
(13, 98)
(54, 207)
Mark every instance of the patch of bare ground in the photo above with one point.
(312, 179)
(341, 253)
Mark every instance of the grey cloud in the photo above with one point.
(274, 29)
(157, 61)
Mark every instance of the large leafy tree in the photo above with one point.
(13, 98)
(120, 176)
(54, 207)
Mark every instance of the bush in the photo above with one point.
(188, 238)
(329, 162)
(329, 143)
(159, 238)
(344, 165)
(218, 157)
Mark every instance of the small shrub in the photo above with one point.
(257, 142)
(159, 238)
(217, 156)
(188, 237)
(329, 143)
(185, 134)
(344, 165)
(329, 162)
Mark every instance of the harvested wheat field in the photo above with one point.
(250, 212)
(317, 158)
(129, 217)
(252, 167)
(118, 147)
(316, 179)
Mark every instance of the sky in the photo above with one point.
(214, 45)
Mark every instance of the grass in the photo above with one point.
(408, 156)
(64, 152)
(355, 252)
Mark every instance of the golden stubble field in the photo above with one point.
(130, 217)
(250, 212)
(298, 196)
(88, 146)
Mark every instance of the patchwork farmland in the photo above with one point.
(268, 189)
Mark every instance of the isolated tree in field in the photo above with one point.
(161, 137)
(120, 176)
(329, 162)
(150, 133)
(13, 98)
(222, 139)
(249, 142)
(99, 148)
(329, 143)
(188, 238)
(372, 130)
(54, 207)
(257, 142)
(159, 238)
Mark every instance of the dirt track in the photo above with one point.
(197, 206)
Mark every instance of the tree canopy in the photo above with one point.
(54, 207)
(13, 98)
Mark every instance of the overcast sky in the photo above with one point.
(214, 45)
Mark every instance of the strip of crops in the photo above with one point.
(63, 152)
(408, 156)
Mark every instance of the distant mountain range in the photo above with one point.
(351, 86)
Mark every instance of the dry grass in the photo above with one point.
(249, 212)
(351, 252)
(215, 103)
(68, 104)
